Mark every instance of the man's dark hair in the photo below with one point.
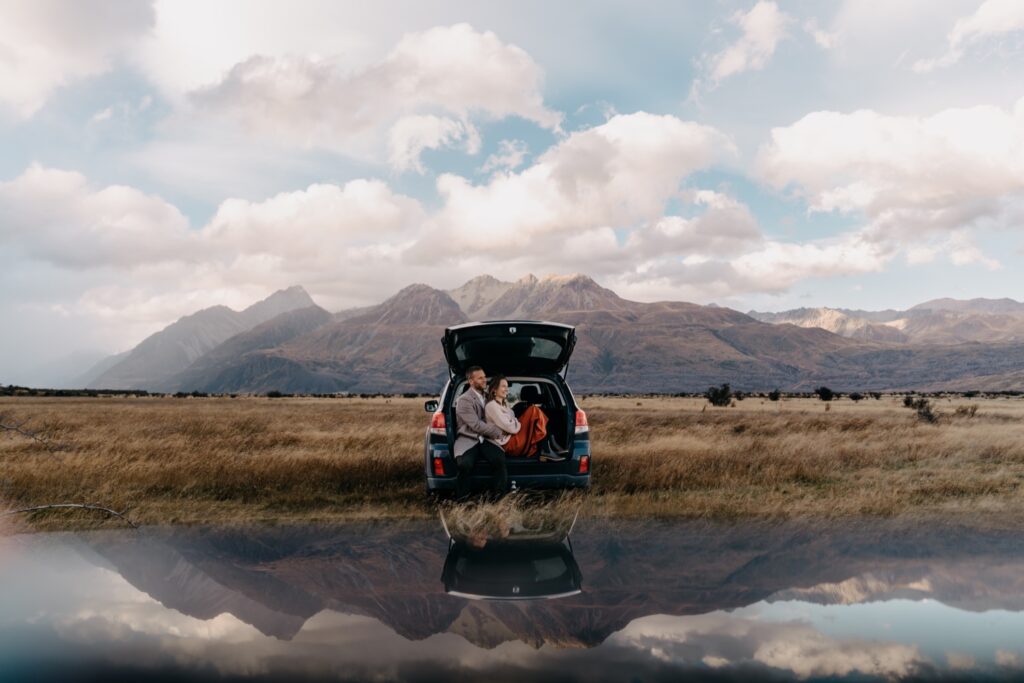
(471, 369)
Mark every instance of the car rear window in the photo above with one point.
(529, 347)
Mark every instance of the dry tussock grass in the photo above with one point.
(795, 458)
(215, 460)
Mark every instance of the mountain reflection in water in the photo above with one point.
(873, 599)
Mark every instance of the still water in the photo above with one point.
(628, 601)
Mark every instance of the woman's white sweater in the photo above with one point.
(500, 415)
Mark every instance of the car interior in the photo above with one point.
(542, 393)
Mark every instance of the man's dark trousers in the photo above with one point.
(494, 455)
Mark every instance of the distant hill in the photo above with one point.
(998, 306)
(394, 346)
(89, 377)
(940, 321)
(844, 323)
(624, 346)
(177, 346)
(205, 372)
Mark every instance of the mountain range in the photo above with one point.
(288, 343)
(940, 321)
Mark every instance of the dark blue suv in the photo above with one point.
(534, 356)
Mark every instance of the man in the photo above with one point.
(472, 432)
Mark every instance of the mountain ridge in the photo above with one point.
(178, 345)
(623, 345)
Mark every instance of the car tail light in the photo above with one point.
(584, 464)
(581, 422)
(438, 467)
(437, 424)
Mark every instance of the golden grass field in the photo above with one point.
(215, 460)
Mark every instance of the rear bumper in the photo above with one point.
(527, 473)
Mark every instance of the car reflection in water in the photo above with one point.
(511, 562)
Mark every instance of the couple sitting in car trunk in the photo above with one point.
(487, 426)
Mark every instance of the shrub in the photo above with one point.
(274, 394)
(824, 393)
(856, 397)
(923, 408)
(908, 401)
(719, 396)
(774, 395)
(877, 395)
(969, 410)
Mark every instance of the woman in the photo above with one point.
(525, 437)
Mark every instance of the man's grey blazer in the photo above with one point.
(471, 422)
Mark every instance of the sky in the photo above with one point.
(161, 157)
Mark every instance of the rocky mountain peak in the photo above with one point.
(281, 301)
(478, 293)
(534, 298)
(485, 297)
(417, 304)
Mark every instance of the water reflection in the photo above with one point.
(505, 552)
(510, 570)
(879, 600)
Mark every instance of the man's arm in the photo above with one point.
(466, 416)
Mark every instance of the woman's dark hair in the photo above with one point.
(492, 386)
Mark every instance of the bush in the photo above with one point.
(856, 397)
(274, 394)
(877, 395)
(908, 401)
(774, 395)
(824, 393)
(969, 410)
(923, 408)
(719, 396)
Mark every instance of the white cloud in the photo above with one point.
(410, 135)
(908, 175)
(779, 265)
(510, 155)
(123, 109)
(718, 640)
(815, 654)
(992, 18)
(56, 216)
(316, 226)
(131, 263)
(45, 44)
(726, 228)
(319, 103)
(621, 173)
(749, 266)
(140, 264)
(762, 29)
(963, 251)
(826, 40)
